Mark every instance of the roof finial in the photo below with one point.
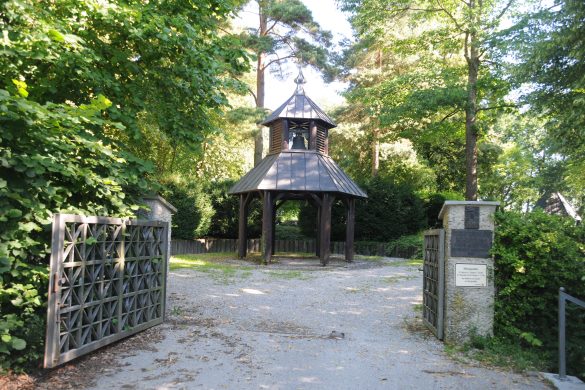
(300, 80)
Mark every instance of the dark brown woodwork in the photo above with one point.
(274, 226)
(349, 230)
(326, 228)
(312, 135)
(243, 224)
(267, 227)
(285, 135)
(318, 236)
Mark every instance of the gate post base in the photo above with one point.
(469, 269)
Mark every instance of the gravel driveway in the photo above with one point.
(295, 325)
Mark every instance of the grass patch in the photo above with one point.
(499, 352)
(407, 263)
(211, 263)
(296, 255)
(417, 307)
(288, 274)
(369, 258)
(398, 278)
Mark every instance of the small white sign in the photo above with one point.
(470, 275)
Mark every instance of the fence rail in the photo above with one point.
(563, 298)
(214, 245)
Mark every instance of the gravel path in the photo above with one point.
(293, 326)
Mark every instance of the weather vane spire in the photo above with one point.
(300, 79)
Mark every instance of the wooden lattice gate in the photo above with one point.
(434, 281)
(107, 281)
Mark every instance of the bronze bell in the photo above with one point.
(298, 142)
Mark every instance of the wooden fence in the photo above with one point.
(215, 245)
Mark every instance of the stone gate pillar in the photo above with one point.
(469, 269)
(160, 210)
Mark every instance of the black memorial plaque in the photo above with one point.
(471, 243)
(471, 217)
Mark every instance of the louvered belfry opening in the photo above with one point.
(298, 167)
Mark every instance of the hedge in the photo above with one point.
(535, 254)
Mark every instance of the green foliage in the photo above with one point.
(552, 61)
(503, 352)
(391, 211)
(51, 161)
(288, 30)
(289, 232)
(535, 254)
(225, 220)
(406, 244)
(159, 59)
(194, 209)
(433, 204)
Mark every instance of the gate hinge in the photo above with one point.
(57, 282)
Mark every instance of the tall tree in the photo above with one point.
(163, 63)
(453, 43)
(286, 30)
(551, 69)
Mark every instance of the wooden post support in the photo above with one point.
(267, 227)
(318, 236)
(243, 224)
(274, 207)
(349, 230)
(325, 231)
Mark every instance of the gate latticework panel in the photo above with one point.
(434, 280)
(107, 282)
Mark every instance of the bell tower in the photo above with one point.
(299, 124)
(298, 167)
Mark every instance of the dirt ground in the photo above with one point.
(290, 325)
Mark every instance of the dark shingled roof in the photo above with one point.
(298, 171)
(299, 106)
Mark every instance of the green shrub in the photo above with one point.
(224, 223)
(289, 232)
(50, 162)
(391, 211)
(412, 243)
(433, 205)
(194, 209)
(535, 254)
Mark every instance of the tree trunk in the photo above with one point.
(375, 154)
(470, 120)
(260, 89)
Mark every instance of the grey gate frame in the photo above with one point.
(434, 281)
(107, 281)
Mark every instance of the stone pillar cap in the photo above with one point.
(465, 203)
(162, 200)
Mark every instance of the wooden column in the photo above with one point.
(318, 235)
(243, 225)
(349, 230)
(274, 208)
(325, 230)
(267, 231)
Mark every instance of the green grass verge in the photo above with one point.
(368, 258)
(499, 352)
(211, 263)
(289, 274)
(407, 263)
